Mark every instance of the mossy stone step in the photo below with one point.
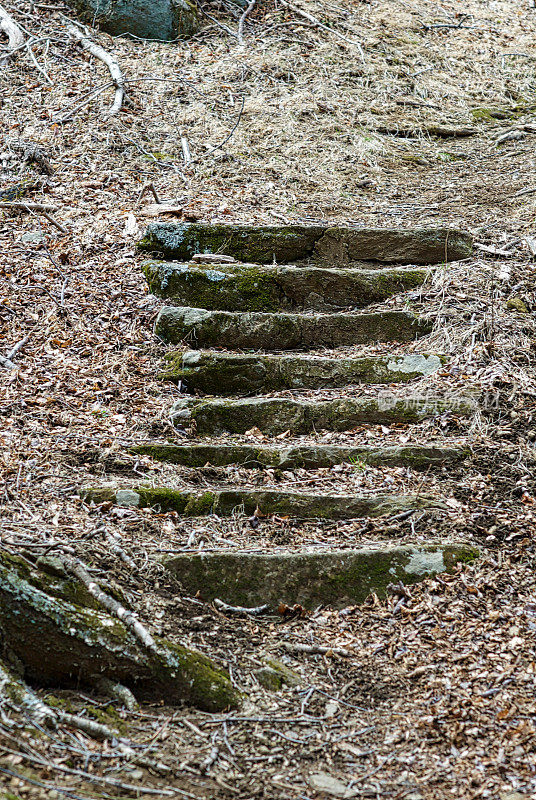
(337, 578)
(225, 502)
(258, 331)
(300, 456)
(251, 287)
(283, 244)
(236, 373)
(276, 415)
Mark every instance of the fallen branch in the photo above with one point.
(20, 205)
(76, 568)
(240, 610)
(321, 25)
(39, 208)
(242, 21)
(11, 687)
(54, 222)
(11, 29)
(115, 548)
(6, 363)
(81, 36)
(148, 187)
(316, 649)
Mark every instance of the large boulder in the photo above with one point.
(145, 19)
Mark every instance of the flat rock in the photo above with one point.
(276, 415)
(225, 502)
(284, 244)
(253, 287)
(301, 456)
(157, 19)
(260, 331)
(235, 373)
(338, 578)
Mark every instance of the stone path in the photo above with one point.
(298, 289)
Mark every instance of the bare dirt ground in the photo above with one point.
(435, 695)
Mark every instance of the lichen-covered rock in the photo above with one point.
(260, 331)
(253, 287)
(225, 502)
(338, 578)
(62, 641)
(146, 19)
(276, 415)
(283, 244)
(302, 456)
(274, 675)
(237, 373)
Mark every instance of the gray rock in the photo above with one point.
(258, 331)
(274, 675)
(338, 578)
(146, 19)
(230, 373)
(276, 415)
(283, 244)
(304, 456)
(33, 237)
(225, 502)
(253, 287)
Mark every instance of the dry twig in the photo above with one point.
(80, 34)
(76, 568)
(242, 21)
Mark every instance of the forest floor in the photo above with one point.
(437, 696)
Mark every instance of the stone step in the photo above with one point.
(251, 287)
(236, 373)
(276, 415)
(283, 244)
(225, 502)
(301, 456)
(337, 578)
(258, 331)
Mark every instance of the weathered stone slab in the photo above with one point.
(147, 19)
(53, 627)
(258, 331)
(283, 244)
(225, 502)
(337, 578)
(250, 287)
(304, 456)
(236, 373)
(276, 415)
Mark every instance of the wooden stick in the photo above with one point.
(76, 568)
(22, 206)
(14, 350)
(81, 36)
(316, 649)
(54, 222)
(148, 187)
(242, 21)
(240, 610)
(6, 363)
(11, 29)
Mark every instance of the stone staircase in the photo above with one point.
(282, 293)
